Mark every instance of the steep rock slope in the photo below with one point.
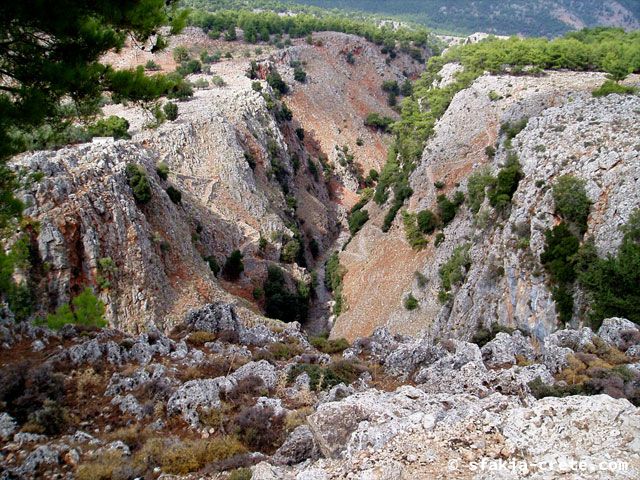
(591, 138)
(337, 96)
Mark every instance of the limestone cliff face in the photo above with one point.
(568, 132)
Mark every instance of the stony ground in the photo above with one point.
(221, 397)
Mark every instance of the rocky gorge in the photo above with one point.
(248, 207)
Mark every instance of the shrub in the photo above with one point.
(540, 390)
(174, 194)
(375, 120)
(280, 301)
(138, 182)
(240, 474)
(476, 188)
(572, 202)
(151, 66)
(162, 169)
(213, 264)
(506, 184)
(559, 260)
(558, 256)
(414, 235)
(329, 346)
(275, 81)
(260, 428)
(218, 81)
(410, 302)
(609, 87)
(180, 91)
(299, 74)
(180, 54)
(612, 283)
(454, 270)
(170, 110)
(189, 67)
(233, 266)
(484, 335)
(192, 455)
(25, 390)
(334, 273)
(291, 251)
(200, 338)
(323, 378)
(357, 220)
(113, 126)
(490, 152)
(88, 310)
(439, 185)
(427, 221)
(439, 239)
(446, 209)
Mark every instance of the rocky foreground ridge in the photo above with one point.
(221, 394)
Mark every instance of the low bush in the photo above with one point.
(323, 378)
(427, 221)
(162, 169)
(485, 335)
(233, 266)
(334, 273)
(559, 260)
(139, 183)
(454, 270)
(612, 283)
(88, 310)
(377, 121)
(410, 302)
(506, 183)
(571, 201)
(357, 220)
(170, 110)
(609, 87)
(113, 126)
(260, 429)
(192, 455)
(174, 194)
(280, 301)
(414, 235)
(477, 185)
(329, 346)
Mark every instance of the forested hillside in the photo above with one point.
(538, 17)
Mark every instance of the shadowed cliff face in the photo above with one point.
(568, 132)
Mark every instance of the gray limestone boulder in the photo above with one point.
(298, 447)
(195, 394)
(620, 333)
(262, 370)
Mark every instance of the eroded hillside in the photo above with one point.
(567, 132)
(256, 174)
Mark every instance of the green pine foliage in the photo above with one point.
(233, 266)
(88, 310)
(571, 201)
(334, 273)
(139, 183)
(281, 302)
(454, 270)
(613, 283)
